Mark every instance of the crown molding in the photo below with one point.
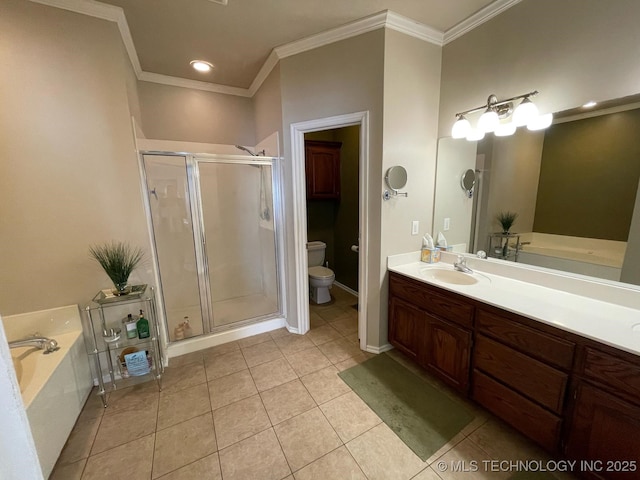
(414, 29)
(269, 64)
(194, 84)
(478, 18)
(364, 25)
(384, 19)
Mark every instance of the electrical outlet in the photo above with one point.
(415, 227)
(447, 224)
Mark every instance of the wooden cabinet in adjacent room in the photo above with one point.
(322, 167)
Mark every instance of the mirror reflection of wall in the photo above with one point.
(573, 186)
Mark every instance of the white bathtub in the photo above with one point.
(54, 387)
(587, 256)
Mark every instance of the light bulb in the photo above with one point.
(540, 122)
(475, 134)
(201, 65)
(524, 113)
(488, 121)
(461, 128)
(505, 129)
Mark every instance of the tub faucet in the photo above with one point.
(43, 343)
(461, 265)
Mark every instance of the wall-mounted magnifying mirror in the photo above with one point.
(468, 181)
(395, 178)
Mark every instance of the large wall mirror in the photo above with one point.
(572, 186)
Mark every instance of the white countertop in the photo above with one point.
(610, 323)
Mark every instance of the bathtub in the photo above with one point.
(54, 387)
(587, 256)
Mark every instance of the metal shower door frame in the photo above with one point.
(197, 221)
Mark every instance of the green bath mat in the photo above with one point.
(422, 416)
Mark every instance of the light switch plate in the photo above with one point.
(415, 227)
(447, 224)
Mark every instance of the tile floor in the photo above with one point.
(267, 407)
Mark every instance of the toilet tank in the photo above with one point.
(315, 253)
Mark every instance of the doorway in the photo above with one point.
(298, 131)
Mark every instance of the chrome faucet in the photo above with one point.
(461, 265)
(43, 343)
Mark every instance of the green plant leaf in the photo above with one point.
(118, 259)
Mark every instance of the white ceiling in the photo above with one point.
(163, 36)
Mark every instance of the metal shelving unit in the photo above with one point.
(102, 317)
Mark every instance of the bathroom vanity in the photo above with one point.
(574, 395)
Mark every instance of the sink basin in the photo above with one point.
(449, 276)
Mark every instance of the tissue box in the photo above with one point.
(430, 255)
(448, 248)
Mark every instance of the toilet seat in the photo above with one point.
(320, 272)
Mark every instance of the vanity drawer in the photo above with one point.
(543, 346)
(613, 371)
(532, 378)
(437, 303)
(531, 419)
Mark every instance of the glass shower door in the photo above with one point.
(170, 196)
(240, 243)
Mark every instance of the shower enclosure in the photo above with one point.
(215, 234)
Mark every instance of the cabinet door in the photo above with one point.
(406, 327)
(605, 429)
(447, 350)
(322, 170)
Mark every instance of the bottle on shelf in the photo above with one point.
(186, 327)
(130, 326)
(143, 326)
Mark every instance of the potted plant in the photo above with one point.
(506, 220)
(118, 259)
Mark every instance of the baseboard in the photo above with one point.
(345, 288)
(200, 343)
(381, 349)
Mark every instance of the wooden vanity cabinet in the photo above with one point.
(575, 397)
(604, 419)
(604, 429)
(432, 327)
(407, 330)
(322, 168)
(521, 375)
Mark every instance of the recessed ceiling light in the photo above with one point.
(589, 104)
(201, 65)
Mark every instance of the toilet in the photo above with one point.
(320, 278)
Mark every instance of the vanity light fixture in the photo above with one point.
(201, 65)
(497, 117)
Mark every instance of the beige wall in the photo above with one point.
(68, 171)
(176, 113)
(396, 78)
(411, 96)
(267, 105)
(336, 79)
